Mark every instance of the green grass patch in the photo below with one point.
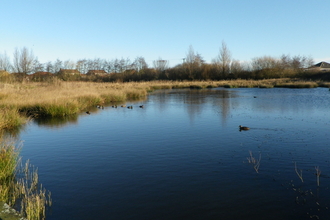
(51, 110)
(10, 119)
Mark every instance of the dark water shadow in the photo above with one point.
(56, 121)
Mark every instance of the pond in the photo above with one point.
(182, 156)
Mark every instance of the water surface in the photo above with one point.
(182, 156)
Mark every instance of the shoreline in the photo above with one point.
(22, 101)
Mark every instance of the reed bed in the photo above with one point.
(58, 98)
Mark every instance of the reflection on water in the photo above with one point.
(195, 100)
(56, 122)
(182, 157)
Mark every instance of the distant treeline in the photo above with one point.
(25, 66)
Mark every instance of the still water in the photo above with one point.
(182, 156)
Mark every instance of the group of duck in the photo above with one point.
(115, 106)
(124, 106)
(142, 106)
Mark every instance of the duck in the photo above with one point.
(123, 106)
(243, 128)
(141, 106)
(88, 113)
(130, 107)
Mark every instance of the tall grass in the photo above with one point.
(19, 186)
(9, 160)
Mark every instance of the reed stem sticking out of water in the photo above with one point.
(299, 174)
(20, 184)
(254, 161)
(318, 174)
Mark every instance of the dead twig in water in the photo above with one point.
(254, 161)
(318, 174)
(299, 174)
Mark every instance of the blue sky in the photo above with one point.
(77, 29)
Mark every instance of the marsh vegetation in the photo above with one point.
(19, 184)
(58, 98)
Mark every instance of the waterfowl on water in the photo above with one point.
(123, 106)
(130, 107)
(141, 106)
(88, 113)
(243, 128)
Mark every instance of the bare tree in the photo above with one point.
(37, 66)
(49, 67)
(69, 64)
(140, 63)
(223, 59)
(190, 56)
(57, 66)
(160, 64)
(300, 62)
(265, 62)
(116, 66)
(199, 61)
(192, 62)
(23, 60)
(108, 66)
(82, 66)
(5, 62)
(236, 67)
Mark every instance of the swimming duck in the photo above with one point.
(141, 106)
(88, 113)
(243, 128)
(130, 107)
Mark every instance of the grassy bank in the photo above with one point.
(19, 185)
(57, 98)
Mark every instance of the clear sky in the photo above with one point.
(153, 29)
